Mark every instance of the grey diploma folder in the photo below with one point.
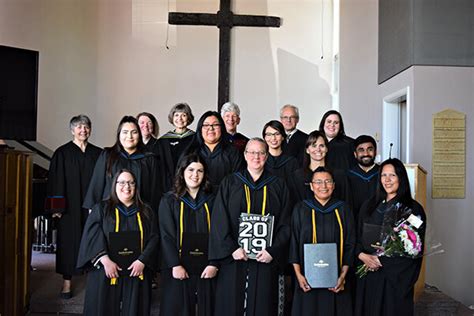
(320, 265)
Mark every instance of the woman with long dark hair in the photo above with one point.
(322, 219)
(185, 214)
(315, 156)
(340, 147)
(388, 287)
(130, 153)
(113, 289)
(278, 163)
(212, 144)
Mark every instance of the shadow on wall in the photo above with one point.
(300, 84)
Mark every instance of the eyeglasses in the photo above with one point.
(211, 126)
(126, 183)
(321, 182)
(256, 153)
(288, 118)
(269, 135)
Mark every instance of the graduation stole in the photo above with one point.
(181, 222)
(113, 281)
(248, 184)
(341, 232)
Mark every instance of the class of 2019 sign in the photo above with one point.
(255, 233)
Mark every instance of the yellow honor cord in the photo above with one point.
(181, 224)
(341, 232)
(313, 220)
(208, 216)
(341, 236)
(247, 198)
(113, 281)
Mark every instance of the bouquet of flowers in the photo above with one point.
(400, 240)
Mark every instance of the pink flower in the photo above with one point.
(412, 237)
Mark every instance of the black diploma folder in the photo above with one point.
(194, 252)
(320, 265)
(124, 249)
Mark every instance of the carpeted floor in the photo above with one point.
(46, 285)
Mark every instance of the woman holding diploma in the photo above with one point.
(388, 284)
(322, 219)
(116, 286)
(185, 218)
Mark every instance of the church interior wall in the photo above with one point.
(432, 89)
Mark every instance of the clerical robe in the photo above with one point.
(179, 297)
(69, 174)
(295, 145)
(248, 286)
(130, 295)
(328, 230)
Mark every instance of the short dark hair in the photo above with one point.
(275, 125)
(364, 139)
(181, 107)
(113, 200)
(154, 121)
(341, 123)
(179, 188)
(322, 169)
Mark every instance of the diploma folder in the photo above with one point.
(320, 265)
(194, 252)
(124, 249)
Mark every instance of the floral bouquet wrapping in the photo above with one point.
(399, 240)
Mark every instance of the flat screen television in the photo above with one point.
(18, 93)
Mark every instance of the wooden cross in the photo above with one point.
(225, 19)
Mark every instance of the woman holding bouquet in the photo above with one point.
(386, 286)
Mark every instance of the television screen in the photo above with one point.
(18, 93)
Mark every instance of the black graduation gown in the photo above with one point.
(300, 190)
(147, 170)
(101, 297)
(177, 143)
(69, 174)
(224, 160)
(322, 301)
(281, 166)
(341, 153)
(389, 290)
(239, 141)
(262, 293)
(162, 150)
(362, 185)
(178, 297)
(295, 146)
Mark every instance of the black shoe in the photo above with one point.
(65, 295)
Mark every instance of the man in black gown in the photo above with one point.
(69, 174)
(248, 286)
(296, 139)
(363, 176)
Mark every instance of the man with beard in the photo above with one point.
(363, 176)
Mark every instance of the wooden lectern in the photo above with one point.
(417, 176)
(16, 173)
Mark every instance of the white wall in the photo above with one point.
(432, 89)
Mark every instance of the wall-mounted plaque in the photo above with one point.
(449, 155)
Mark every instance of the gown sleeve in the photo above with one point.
(349, 237)
(56, 199)
(281, 239)
(96, 187)
(221, 241)
(93, 241)
(168, 226)
(149, 256)
(295, 242)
